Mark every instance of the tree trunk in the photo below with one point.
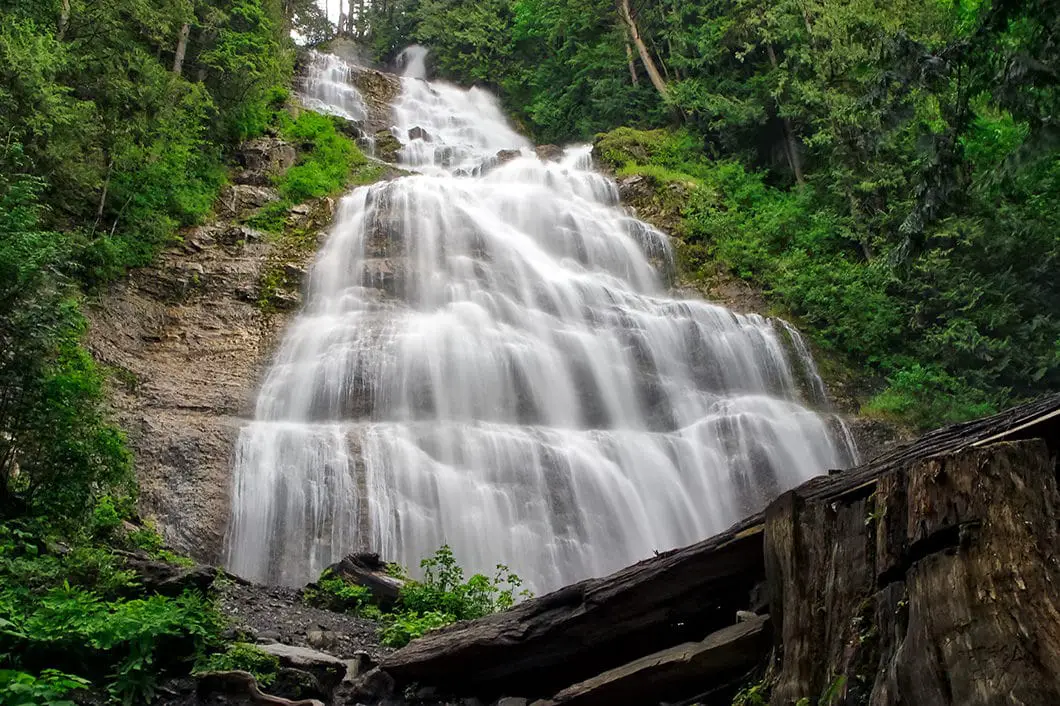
(791, 147)
(645, 56)
(64, 19)
(182, 46)
(632, 66)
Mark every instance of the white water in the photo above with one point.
(491, 361)
(328, 88)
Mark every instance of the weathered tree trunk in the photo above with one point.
(64, 19)
(939, 588)
(791, 146)
(645, 56)
(182, 46)
(632, 65)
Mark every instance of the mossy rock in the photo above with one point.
(386, 146)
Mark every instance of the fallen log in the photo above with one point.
(676, 672)
(547, 643)
(572, 634)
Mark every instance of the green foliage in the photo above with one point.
(927, 397)
(753, 695)
(76, 610)
(58, 453)
(444, 597)
(48, 689)
(245, 657)
(332, 592)
(328, 157)
(399, 629)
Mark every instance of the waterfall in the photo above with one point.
(488, 358)
(328, 89)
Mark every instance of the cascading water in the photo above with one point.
(487, 358)
(328, 89)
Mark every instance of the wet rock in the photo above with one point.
(321, 639)
(328, 669)
(549, 153)
(505, 156)
(386, 146)
(418, 133)
(373, 686)
(510, 701)
(263, 159)
(297, 684)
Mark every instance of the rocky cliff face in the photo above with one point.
(186, 340)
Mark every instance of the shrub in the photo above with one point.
(245, 657)
(443, 597)
(333, 592)
(926, 397)
(48, 689)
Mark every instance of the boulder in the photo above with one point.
(328, 669)
(168, 579)
(386, 146)
(368, 570)
(418, 133)
(264, 158)
(549, 153)
(239, 199)
(505, 156)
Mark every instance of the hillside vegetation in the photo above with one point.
(888, 171)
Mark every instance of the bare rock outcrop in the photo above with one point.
(186, 340)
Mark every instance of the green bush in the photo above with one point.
(444, 597)
(245, 657)
(328, 157)
(332, 592)
(926, 397)
(75, 609)
(48, 689)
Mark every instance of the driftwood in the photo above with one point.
(577, 632)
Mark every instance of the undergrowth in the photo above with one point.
(74, 618)
(441, 598)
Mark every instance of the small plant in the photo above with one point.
(753, 695)
(246, 657)
(399, 629)
(106, 518)
(444, 597)
(48, 689)
(333, 592)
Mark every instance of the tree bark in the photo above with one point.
(64, 19)
(645, 56)
(790, 145)
(182, 47)
(632, 66)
